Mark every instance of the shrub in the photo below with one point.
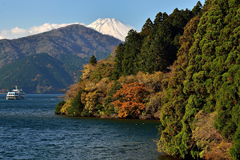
(85, 113)
(109, 99)
(72, 91)
(103, 70)
(76, 106)
(59, 107)
(91, 101)
(234, 150)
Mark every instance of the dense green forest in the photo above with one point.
(38, 73)
(205, 85)
(183, 69)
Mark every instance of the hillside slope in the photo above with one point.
(200, 115)
(38, 73)
(73, 39)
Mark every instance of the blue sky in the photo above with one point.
(17, 16)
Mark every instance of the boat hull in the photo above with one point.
(15, 98)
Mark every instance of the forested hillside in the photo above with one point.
(204, 89)
(155, 47)
(138, 68)
(71, 40)
(38, 73)
(72, 45)
(183, 69)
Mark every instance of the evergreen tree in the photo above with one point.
(132, 45)
(175, 100)
(160, 17)
(197, 9)
(155, 48)
(76, 107)
(118, 61)
(143, 56)
(164, 45)
(93, 60)
(147, 27)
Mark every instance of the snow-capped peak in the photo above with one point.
(111, 26)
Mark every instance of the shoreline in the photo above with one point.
(110, 117)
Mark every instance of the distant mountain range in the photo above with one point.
(113, 27)
(73, 39)
(67, 49)
(51, 61)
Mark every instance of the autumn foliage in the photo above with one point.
(197, 98)
(130, 99)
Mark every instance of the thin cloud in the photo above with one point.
(20, 32)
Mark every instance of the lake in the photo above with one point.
(29, 129)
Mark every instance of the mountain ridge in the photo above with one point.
(73, 39)
(71, 46)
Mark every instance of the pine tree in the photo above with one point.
(147, 27)
(118, 71)
(160, 17)
(176, 98)
(93, 60)
(132, 49)
(197, 9)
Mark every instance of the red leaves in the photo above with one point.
(130, 99)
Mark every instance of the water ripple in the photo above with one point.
(30, 130)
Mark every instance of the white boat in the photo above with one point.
(16, 94)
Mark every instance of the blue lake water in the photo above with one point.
(29, 129)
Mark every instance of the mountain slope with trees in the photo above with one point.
(204, 88)
(71, 40)
(156, 46)
(182, 68)
(38, 73)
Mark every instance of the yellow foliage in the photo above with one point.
(154, 82)
(91, 101)
(72, 91)
(90, 86)
(83, 96)
(213, 145)
(126, 80)
(102, 85)
(154, 103)
(64, 107)
(96, 91)
(88, 68)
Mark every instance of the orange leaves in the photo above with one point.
(130, 99)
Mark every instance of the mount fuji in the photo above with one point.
(112, 27)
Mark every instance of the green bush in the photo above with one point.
(85, 113)
(76, 106)
(234, 150)
(99, 107)
(59, 107)
(107, 102)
